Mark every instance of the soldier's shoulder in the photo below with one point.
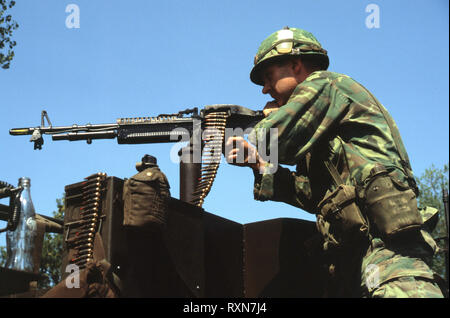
(329, 77)
(345, 83)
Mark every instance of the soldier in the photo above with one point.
(352, 170)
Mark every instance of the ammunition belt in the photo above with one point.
(214, 135)
(82, 241)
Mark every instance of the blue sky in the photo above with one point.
(143, 58)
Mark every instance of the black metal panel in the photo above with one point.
(224, 253)
(112, 230)
(277, 261)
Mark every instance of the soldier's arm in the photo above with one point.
(279, 184)
(315, 107)
(283, 186)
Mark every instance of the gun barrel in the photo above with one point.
(59, 129)
(21, 131)
(81, 135)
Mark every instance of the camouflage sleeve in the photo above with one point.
(305, 118)
(283, 186)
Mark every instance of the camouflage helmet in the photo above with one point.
(288, 41)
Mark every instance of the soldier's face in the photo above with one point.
(279, 81)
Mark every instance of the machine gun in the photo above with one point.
(140, 130)
(208, 126)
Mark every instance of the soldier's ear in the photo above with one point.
(297, 65)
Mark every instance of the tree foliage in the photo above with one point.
(52, 250)
(7, 26)
(431, 184)
(3, 256)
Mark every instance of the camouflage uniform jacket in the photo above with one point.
(328, 116)
(331, 116)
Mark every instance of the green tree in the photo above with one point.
(7, 26)
(431, 184)
(3, 256)
(52, 249)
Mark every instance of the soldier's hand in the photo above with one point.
(240, 153)
(270, 107)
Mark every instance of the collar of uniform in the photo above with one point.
(311, 77)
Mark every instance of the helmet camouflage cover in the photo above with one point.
(288, 41)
